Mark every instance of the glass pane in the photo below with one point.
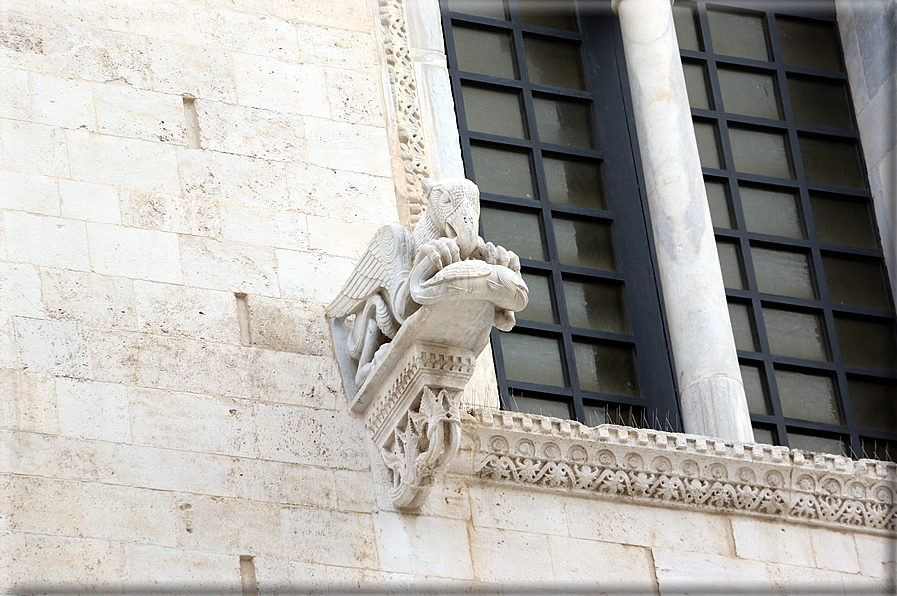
(764, 435)
(831, 162)
(503, 172)
(541, 407)
(605, 368)
(558, 14)
(539, 306)
(564, 123)
(859, 283)
(879, 449)
(739, 35)
(484, 52)
(749, 93)
(761, 153)
(532, 359)
(718, 198)
(493, 112)
(494, 9)
(795, 334)
(754, 389)
(686, 29)
(596, 305)
(595, 415)
(807, 43)
(742, 326)
(696, 84)
(783, 273)
(730, 263)
(618, 414)
(874, 405)
(576, 183)
(816, 444)
(867, 343)
(585, 244)
(808, 397)
(708, 147)
(771, 212)
(820, 102)
(515, 231)
(551, 62)
(843, 222)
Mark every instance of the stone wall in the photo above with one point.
(184, 186)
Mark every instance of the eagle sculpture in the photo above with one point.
(443, 259)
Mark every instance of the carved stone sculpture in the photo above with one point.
(409, 324)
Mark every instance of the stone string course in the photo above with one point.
(646, 465)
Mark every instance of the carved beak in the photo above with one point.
(462, 226)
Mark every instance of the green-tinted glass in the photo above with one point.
(771, 212)
(557, 14)
(539, 307)
(484, 52)
(830, 161)
(563, 122)
(718, 198)
(686, 28)
(874, 404)
(754, 389)
(532, 359)
(577, 183)
(858, 283)
(538, 406)
(764, 436)
(515, 230)
(783, 273)
(808, 397)
(749, 93)
(585, 244)
(842, 221)
(795, 334)
(596, 305)
(503, 172)
(742, 326)
(820, 102)
(493, 112)
(867, 343)
(606, 368)
(816, 444)
(808, 43)
(494, 9)
(730, 263)
(739, 35)
(708, 146)
(556, 63)
(761, 153)
(696, 85)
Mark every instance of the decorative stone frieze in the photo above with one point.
(677, 469)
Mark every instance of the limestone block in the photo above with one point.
(355, 96)
(238, 32)
(338, 237)
(679, 572)
(772, 542)
(157, 20)
(337, 48)
(48, 456)
(89, 410)
(235, 178)
(336, 193)
(33, 148)
(37, 505)
(600, 566)
(356, 491)
(288, 326)
(344, 580)
(15, 97)
(449, 498)
(352, 147)
(352, 14)
(2, 237)
(171, 569)
(29, 402)
(835, 551)
(876, 555)
(285, 576)
(20, 291)
(638, 525)
(310, 277)
(132, 163)
(62, 102)
(48, 241)
(514, 559)
(232, 526)
(35, 563)
(164, 469)
(90, 202)
(134, 253)
(193, 422)
(83, 12)
(24, 192)
(127, 112)
(807, 581)
(268, 83)
(170, 213)
(182, 311)
(97, 54)
(331, 537)
(280, 229)
(52, 347)
(412, 544)
(190, 71)
(229, 266)
(291, 484)
(89, 299)
(285, 377)
(307, 436)
(7, 343)
(131, 514)
(253, 132)
(512, 509)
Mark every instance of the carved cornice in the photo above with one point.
(404, 91)
(665, 468)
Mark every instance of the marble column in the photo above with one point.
(711, 390)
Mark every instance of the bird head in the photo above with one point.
(453, 205)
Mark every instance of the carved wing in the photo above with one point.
(384, 265)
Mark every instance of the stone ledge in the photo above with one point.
(651, 466)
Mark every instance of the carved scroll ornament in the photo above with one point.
(409, 324)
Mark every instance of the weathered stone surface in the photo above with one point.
(52, 347)
(135, 253)
(600, 566)
(181, 311)
(89, 410)
(234, 178)
(310, 277)
(764, 541)
(24, 192)
(337, 193)
(172, 568)
(340, 238)
(511, 509)
(190, 71)
(44, 505)
(15, 97)
(7, 343)
(34, 148)
(20, 292)
(350, 97)
(89, 299)
(295, 484)
(131, 514)
(111, 160)
(47, 241)
(63, 102)
(36, 562)
(405, 545)
(147, 115)
(287, 326)
(89, 202)
(353, 147)
(253, 132)
(48, 455)
(279, 229)
(515, 559)
(29, 402)
(229, 266)
(232, 526)
(170, 213)
(230, 30)
(332, 537)
(264, 83)
(677, 571)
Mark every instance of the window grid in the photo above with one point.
(857, 439)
